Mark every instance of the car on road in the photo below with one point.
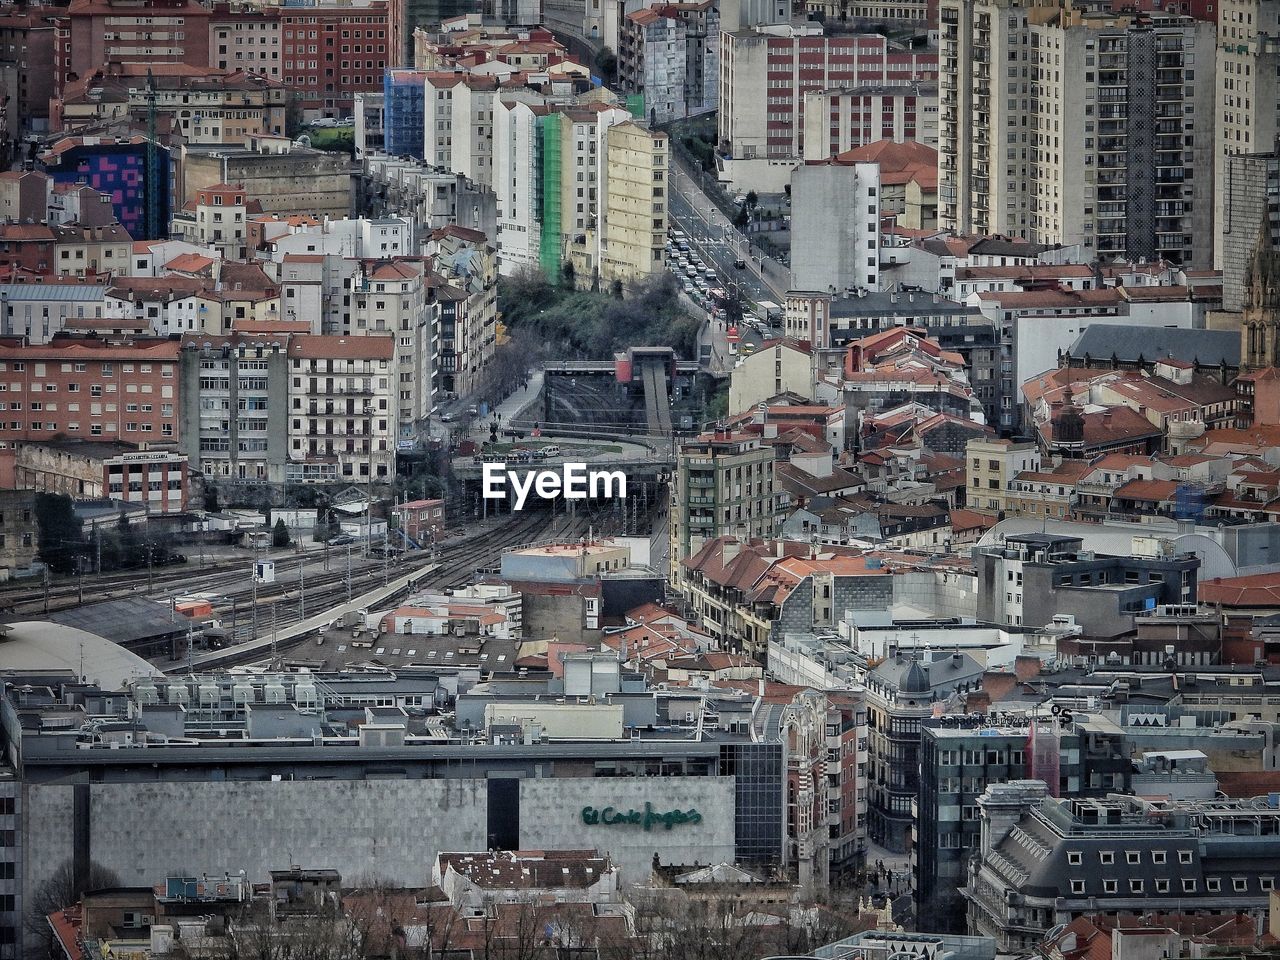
(447, 418)
(739, 263)
(682, 246)
(341, 540)
(709, 272)
(688, 287)
(740, 199)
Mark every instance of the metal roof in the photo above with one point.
(52, 291)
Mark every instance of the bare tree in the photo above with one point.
(62, 889)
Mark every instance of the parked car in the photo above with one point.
(341, 540)
(739, 263)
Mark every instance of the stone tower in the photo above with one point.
(1260, 323)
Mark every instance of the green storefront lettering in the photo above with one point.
(646, 818)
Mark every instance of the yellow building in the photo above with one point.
(635, 221)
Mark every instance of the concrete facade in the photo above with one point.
(296, 181)
(140, 830)
(835, 235)
(551, 817)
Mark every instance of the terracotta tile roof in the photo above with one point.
(349, 348)
(1151, 491)
(1258, 590)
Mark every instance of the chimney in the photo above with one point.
(729, 548)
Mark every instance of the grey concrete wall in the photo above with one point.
(48, 841)
(551, 817)
(393, 828)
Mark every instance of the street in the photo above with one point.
(719, 242)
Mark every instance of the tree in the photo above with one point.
(63, 888)
(752, 200)
(741, 218)
(606, 64)
(279, 534)
(211, 498)
(568, 275)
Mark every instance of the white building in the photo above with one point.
(835, 235)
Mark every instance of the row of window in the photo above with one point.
(1212, 885)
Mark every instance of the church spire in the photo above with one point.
(1262, 279)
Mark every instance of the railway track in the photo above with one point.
(459, 563)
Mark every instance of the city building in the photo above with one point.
(670, 53)
(331, 53)
(343, 410)
(403, 102)
(26, 42)
(235, 405)
(1033, 578)
(155, 33)
(1249, 198)
(1042, 860)
(218, 220)
(89, 388)
(723, 486)
(234, 106)
(1248, 61)
(245, 36)
(987, 184)
(841, 118)
(902, 691)
(422, 521)
(635, 205)
(37, 311)
(765, 73)
(992, 466)
(116, 168)
(835, 231)
(282, 176)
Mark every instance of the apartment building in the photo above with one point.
(470, 262)
(331, 53)
(342, 408)
(635, 215)
(992, 466)
(207, 105)
(671, 54)
(836, 231)
(1248, 111)
(83, 250)
(26, 43)
(235, 391)
(1150, 150)
(394, 299)
(153, 33)
(983, 150)
(766, 72)
(550, 160)
(87, 388)
(842, 118)
(219, 220)
(402, 112)
(1030, 96)
(724, 486)
(1212, 857)
(245, 36)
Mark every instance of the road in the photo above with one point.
(720, 243)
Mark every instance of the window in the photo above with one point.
(1158, 856)
(1132, 856)
(1213, 885)
(1184, 856)
(1162, 886)
(1135, 886)
(1188, 886)
(1107, 857)
(1109, 886)
(1239, 884)
(1077, 886)
(1074, 858)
